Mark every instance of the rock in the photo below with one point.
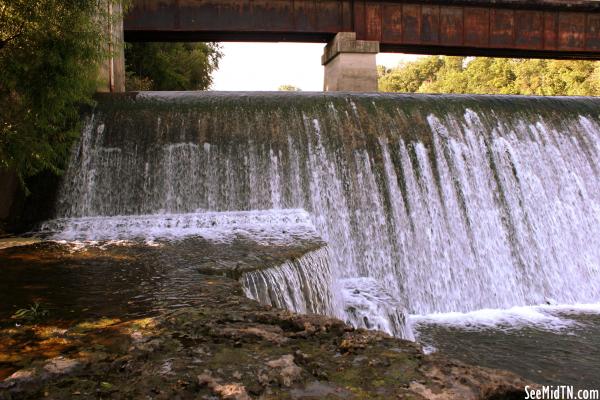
(21, 376)
(288, 371)
(24, 375)
(206, 379)
(266, 332)
(449, 379)
(256, 389)
(232, 391)
(60, 365)
(228, 391)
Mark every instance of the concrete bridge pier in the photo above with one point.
(112, 70)
(350, 64)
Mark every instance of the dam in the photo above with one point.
(427, 204)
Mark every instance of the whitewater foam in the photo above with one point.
(368, 305)
(543, 317)
(273, 227)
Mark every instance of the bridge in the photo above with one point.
(515, 28)
(563, 29)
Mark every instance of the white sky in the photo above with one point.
(266, 66)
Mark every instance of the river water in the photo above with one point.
(549, 345)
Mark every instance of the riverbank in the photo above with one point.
(220, 345)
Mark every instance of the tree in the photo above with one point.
(49, 56)
(408, 77)
(483, 75)
(171, 66)
(289, 88)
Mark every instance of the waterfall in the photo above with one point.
(427, 203)
(303, 285)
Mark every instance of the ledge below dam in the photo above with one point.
(216, 343)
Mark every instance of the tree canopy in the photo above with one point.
(171, 66)
(50, 52)
(482, 75)
(49, 55)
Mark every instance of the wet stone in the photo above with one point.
(217, 344)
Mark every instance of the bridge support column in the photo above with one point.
(112, 70)
(350, 64)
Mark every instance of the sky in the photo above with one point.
(266, 66)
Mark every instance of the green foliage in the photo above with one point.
(171, 66)
(49, 55)
(484, 75)
(289, 88)
(410, 76)
(33, 313)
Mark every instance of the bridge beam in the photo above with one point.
(350, 64)
(501, 28)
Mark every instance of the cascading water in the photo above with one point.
(427, 203)
(303, 285)
(270, 227)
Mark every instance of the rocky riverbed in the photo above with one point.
(211, 343)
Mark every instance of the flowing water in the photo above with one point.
(129, 267)
(428, 204)
(303, 285)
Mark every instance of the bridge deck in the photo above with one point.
(580, 5)
(518, 28)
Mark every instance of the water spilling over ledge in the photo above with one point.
(303, 285)
(445, 203)
(297, 278)
(272, 227)
(294, 273)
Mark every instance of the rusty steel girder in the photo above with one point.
(515, 28)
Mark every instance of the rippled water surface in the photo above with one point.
(562, 356)
(75, 281)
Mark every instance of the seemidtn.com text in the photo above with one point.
(561, 392)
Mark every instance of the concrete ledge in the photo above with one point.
(345, 42)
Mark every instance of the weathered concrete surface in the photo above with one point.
(345, 42)
(350, 64)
